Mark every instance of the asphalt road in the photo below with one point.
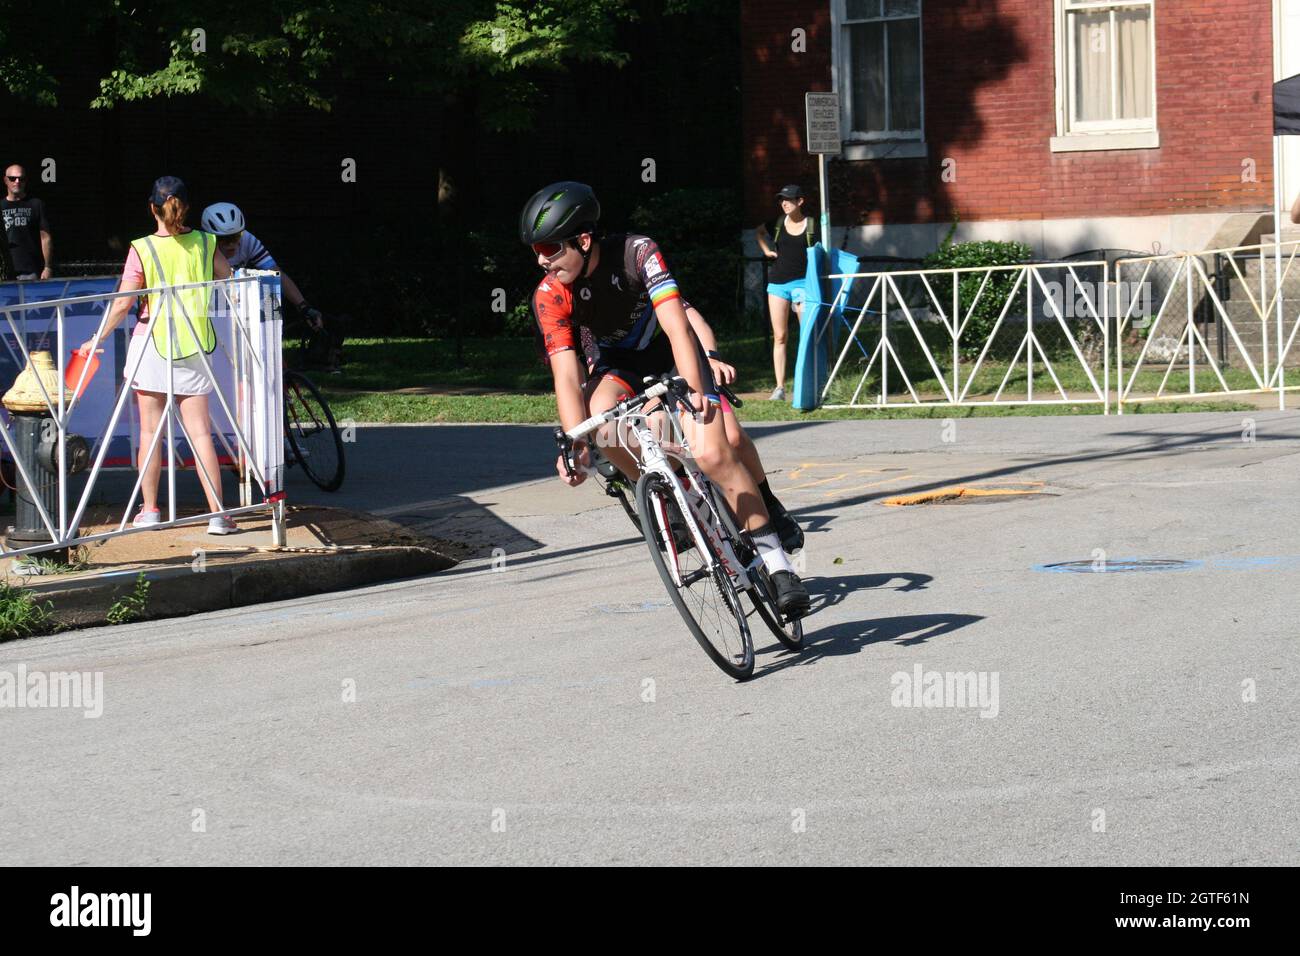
(546, 705)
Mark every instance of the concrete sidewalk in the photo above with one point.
(189, 571)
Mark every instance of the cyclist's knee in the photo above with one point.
(735, 434)
(713, 453)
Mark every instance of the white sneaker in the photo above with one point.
(778, 394)
(146, 519)
(222, 524)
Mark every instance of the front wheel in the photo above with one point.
(698, 583)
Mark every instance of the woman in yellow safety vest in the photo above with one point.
(173, 255)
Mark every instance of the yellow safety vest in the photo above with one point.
(179, 260)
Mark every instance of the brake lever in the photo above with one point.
(681, 395)
(732, 398)
(566, 447)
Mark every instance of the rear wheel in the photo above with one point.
(698, 584)
(763, 596)
(761, 593)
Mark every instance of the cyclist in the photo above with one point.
(787, 528)
(618, 287)
(243, 250)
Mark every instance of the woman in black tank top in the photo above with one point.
(789, 262)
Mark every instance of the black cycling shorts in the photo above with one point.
(631, 367)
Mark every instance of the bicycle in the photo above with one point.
(695, 542)
(311, 432)
(615, 483)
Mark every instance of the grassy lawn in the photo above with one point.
(366, 391)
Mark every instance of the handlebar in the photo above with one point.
(675, 387)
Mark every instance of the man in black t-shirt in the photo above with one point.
(27, 230)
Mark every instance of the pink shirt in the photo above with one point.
(133, 271)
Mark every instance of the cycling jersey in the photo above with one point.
(609, 315)
(616, 302)
(251, 254)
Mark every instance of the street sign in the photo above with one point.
(823, 118)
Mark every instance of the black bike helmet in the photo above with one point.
(558, 212)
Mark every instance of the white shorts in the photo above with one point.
(188, 375)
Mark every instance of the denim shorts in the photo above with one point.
(792, 291)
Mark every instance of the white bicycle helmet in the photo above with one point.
(223, 219)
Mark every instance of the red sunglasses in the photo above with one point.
(548, 250)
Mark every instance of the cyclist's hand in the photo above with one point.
(581, 462)
(702, 407)
(313, 316)
(723, 373)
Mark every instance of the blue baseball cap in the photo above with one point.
(166, 186)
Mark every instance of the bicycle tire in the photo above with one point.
(735, 657)
(300, 394)
(761, 593)
(764, 600)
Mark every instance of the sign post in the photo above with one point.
(822, 111)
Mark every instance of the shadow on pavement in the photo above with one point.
(1155, 445)
(851, 637)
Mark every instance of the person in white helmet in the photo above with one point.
(243, 250)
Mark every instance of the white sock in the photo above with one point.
(769, 549)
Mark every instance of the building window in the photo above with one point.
(1105, 76)
(878, 54)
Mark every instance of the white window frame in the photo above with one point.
(892, 144)
(1098, 134)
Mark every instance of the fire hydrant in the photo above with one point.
(36, 444)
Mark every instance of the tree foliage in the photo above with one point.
(280, 53)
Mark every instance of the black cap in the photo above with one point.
(791, 191)
(165, 186)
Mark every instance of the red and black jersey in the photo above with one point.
(615, 303)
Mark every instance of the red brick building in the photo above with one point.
(1066, 124)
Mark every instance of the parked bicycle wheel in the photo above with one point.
(313, 435)
(697, 582)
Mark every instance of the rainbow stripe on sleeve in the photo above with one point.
(663, 293)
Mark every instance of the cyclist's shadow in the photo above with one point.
(851, 636)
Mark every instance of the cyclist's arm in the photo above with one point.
(220, 266)
(703, 331)
(644, 257)
(290, 289)
(724, 373)
(566, 369)
(259, 257)
(672, 318)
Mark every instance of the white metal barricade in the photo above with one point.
(1267, 319)
(1038, 298)
(245, 371)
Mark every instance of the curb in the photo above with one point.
(176, 592)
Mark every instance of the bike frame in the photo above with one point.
(652, 458)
